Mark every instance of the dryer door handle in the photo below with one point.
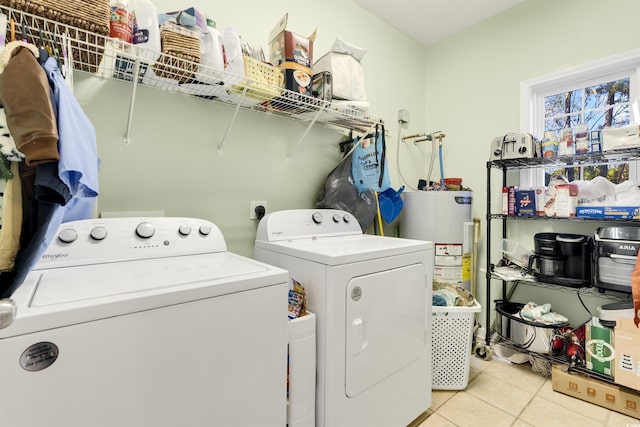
(359, 334)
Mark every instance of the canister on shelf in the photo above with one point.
(566, 145)
(121, 24)
(550, 144)
(582, 138)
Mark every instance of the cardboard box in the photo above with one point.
(592, 390)
(526, 203)
(599, 350)
(619, 212)
(293, 55)
(627, 346)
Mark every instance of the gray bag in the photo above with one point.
(339, 192)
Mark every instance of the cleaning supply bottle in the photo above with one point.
(146, 32)
(121, 21)
(211, 52)
(233, 52)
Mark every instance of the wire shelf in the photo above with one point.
(614, 156)
(110, 58)
(554, 359)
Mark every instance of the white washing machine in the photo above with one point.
(372, 300)
(145, 322)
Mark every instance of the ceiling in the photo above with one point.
(429, 21)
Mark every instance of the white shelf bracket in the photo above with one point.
(303, 136)
(136, 74)
(231, 122)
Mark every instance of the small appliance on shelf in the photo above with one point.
(562, 259)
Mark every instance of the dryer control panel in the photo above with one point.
(103, 240)
(306, 223)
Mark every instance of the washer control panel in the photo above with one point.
(103, 240)
(306, 223)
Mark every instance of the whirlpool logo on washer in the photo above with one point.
(55, 256)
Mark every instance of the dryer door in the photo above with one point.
(385, 325)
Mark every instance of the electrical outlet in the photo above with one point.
(252, 208)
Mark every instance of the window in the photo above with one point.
(595, 95)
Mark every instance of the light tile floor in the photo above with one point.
(500, 393)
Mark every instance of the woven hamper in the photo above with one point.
(180, 53)
(89, 21)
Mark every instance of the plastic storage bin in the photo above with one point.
(452, 336)
(516, 253)
(301, 380)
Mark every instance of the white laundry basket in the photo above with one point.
(452, 337)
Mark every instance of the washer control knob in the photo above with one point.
(184, 230)
(336, 218)
(8, 311)
(205, 230)
(98, 233)
(68, 235)
(347, 218)
(145, 230)
(317, 217)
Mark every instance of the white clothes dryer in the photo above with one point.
(372, 300)
(139, 322)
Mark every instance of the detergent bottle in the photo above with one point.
(146, 32)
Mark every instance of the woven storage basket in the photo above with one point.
(263, 81)
(89, 19)
(181, 53)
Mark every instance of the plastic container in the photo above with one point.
(452, 337)
(233, 51)
(121, 23)
(515, 252)
(146, 32)
(301, 379)
(211, 47)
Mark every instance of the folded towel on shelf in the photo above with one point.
(541, 314)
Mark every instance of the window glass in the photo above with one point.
(597, 106)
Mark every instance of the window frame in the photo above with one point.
(533, 92)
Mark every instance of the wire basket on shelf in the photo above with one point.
(523, 334)
(89, 21)
(262, 81)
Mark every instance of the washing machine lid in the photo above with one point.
(341, 250)
(62, 296)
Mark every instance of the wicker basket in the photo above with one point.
(263, 81)
(89, 19)
(181, 53)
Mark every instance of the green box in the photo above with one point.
(599, 351)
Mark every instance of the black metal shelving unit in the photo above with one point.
(504, 166)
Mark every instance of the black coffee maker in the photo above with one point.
(562, 259)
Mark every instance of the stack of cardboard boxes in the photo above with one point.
(615, 353)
